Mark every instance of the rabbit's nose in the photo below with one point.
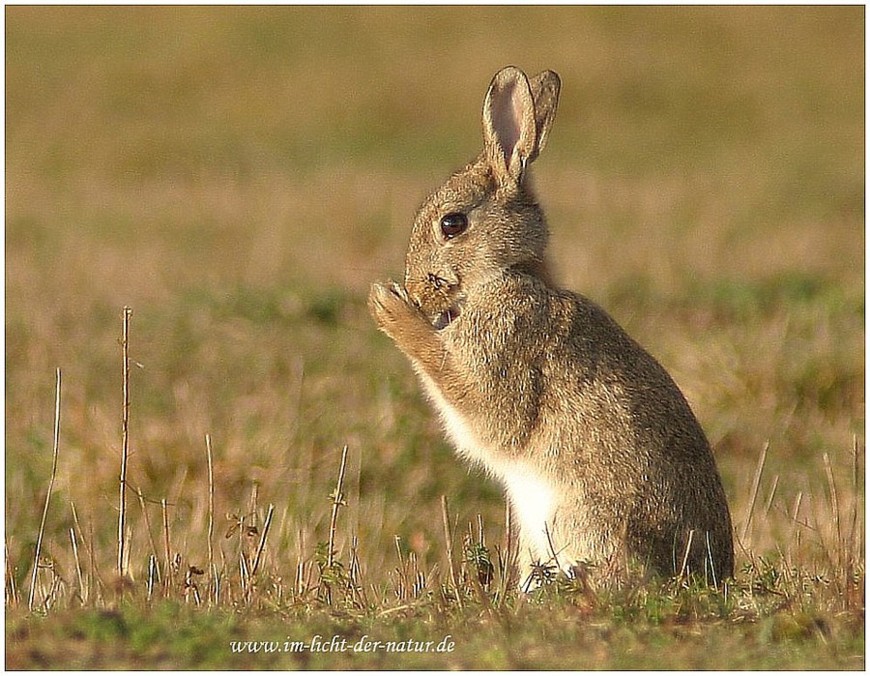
(436, 281)
(443, 281)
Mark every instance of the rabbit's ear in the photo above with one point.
(509, 127)
(545, 91)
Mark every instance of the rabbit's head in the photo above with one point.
(484, 220)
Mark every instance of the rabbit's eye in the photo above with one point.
(453, 224)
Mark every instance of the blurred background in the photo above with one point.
(239, 177)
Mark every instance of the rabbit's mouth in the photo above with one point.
(439, 296)
(443, 320)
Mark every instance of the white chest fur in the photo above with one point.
(531, 494)
(533, 500)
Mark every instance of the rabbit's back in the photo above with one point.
(645, 459)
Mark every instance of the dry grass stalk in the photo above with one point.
(448, 539)
(261, 545)
(835, 501)
(153, 573)
(507, 558)
(769, 502)
(856, 497)
(853, 551)
(151, 541)
(845, 543)
(402, 571)
(337, 502)
(555, 554)
(93, 559)
(356, 574)
(253, 505)
(167, 575)
(795, 529)
(91, 556)
(476, 547)
(688, 550)
(300, 579)
(125, 440)
(820, 527)
(508, 528)
(244, 574)
(75, 551)
(212, 571)
(11, 589)
(298, 585)
(215, 592)
(54, 454)
(713, 574)
(756, 482)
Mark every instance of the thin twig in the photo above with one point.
(337, 501)
(54, 454)
(125, 434)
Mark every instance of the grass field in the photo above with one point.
(239, 177)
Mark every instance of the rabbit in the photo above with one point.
(599, 453)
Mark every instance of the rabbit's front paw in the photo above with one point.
(393, 310)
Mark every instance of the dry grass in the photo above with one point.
(239, 176)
